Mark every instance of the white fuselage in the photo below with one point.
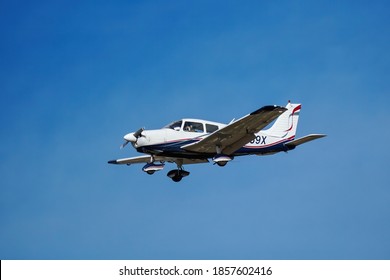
(168, 140)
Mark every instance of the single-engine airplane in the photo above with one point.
(190, 141)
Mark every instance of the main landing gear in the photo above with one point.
(177, 174)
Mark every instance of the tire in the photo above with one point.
(177, 178)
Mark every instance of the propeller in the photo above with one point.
(132, 137)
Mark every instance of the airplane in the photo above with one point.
(191, 141)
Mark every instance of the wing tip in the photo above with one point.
(114, 161)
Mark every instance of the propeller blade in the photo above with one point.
(124, 144)
(138, 133)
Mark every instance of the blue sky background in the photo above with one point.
(78, 75)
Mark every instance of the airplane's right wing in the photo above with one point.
(235, 135)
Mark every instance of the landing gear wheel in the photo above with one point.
(222, 163)
(177, 178)
(150, 172)
(177, 174)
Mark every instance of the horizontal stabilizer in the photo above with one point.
(292, 144)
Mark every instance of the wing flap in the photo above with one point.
(235, 135)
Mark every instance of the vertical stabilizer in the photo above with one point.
(286, 124)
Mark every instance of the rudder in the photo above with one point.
(286, 124)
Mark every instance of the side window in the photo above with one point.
(211, 128)
(193, 127)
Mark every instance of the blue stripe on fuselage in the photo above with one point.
(280, 147)
(174, 149)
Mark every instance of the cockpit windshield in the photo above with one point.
(175, 125)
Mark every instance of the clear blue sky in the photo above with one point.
(78, 75)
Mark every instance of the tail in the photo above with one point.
(286, 124)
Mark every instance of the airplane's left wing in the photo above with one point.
(235, 135)
(132, 160)
(146, 159)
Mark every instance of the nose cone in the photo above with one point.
(130, 137)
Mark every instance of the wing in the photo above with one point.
(132, 160)
(292, 144)
(146, 159)
(235, 135)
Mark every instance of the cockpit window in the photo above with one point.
(175, 125)
(211, 128)
(193, 127)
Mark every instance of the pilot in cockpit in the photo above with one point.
(189, 128)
